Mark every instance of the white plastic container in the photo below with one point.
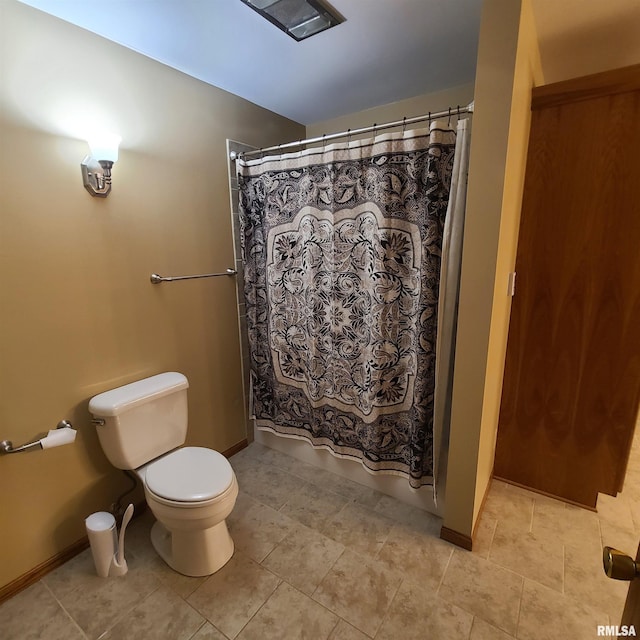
(106, 547)
(101, 529)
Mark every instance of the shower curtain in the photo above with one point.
(342, 250)
(450, 268)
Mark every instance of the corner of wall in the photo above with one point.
(467, 477)
(527, 74)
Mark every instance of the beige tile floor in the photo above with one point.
(318, 557)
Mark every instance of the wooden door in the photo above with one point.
(572, 374)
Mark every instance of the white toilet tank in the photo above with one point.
(142, 420)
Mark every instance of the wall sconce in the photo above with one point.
(96, 168)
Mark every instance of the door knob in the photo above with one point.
(618, 565)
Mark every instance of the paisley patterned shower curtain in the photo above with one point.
(341, 250)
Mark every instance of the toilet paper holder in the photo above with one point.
(58, 438)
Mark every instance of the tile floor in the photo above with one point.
(318, 557)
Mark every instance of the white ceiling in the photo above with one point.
(387, 50)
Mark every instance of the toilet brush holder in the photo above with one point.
(107, 550)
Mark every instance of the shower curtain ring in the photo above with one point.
(375, 127)
(323, 141)
(449, 119)
(404, 124)
(348, 136)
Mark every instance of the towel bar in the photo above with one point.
(157, 279)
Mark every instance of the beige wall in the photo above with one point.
(528, 73)
(580, 37)
(409, 108)
(508, 65)
(78, 314)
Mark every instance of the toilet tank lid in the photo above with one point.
(116, 401)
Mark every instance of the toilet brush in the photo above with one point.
(119, 563)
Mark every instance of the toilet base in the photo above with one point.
(193, 553)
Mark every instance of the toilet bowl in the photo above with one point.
(190, 490)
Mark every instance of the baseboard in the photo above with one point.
(588, 507)
(231, 451)
(461, 539)
(457, 538)
(31, 577)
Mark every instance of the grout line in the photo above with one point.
(473, 622)
(197, 631)
(469, 609)
(564, 567)
(493, 535)
(205, 620)
(376, 556)
(519, 608)
(320, 604)
(280, 581)
(335, 626)
(310, 597)
(73, 620)
(386, 613)
(444, 573)
(600, 532)
(533, 509)
(326, 574)
(136, 604)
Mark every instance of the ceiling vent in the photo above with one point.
(298, 18)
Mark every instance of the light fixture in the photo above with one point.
(96, 168)
(297, 18)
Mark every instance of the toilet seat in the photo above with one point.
(189, 475)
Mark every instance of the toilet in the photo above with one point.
(190, 490)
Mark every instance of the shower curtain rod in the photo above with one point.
(451, 111)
